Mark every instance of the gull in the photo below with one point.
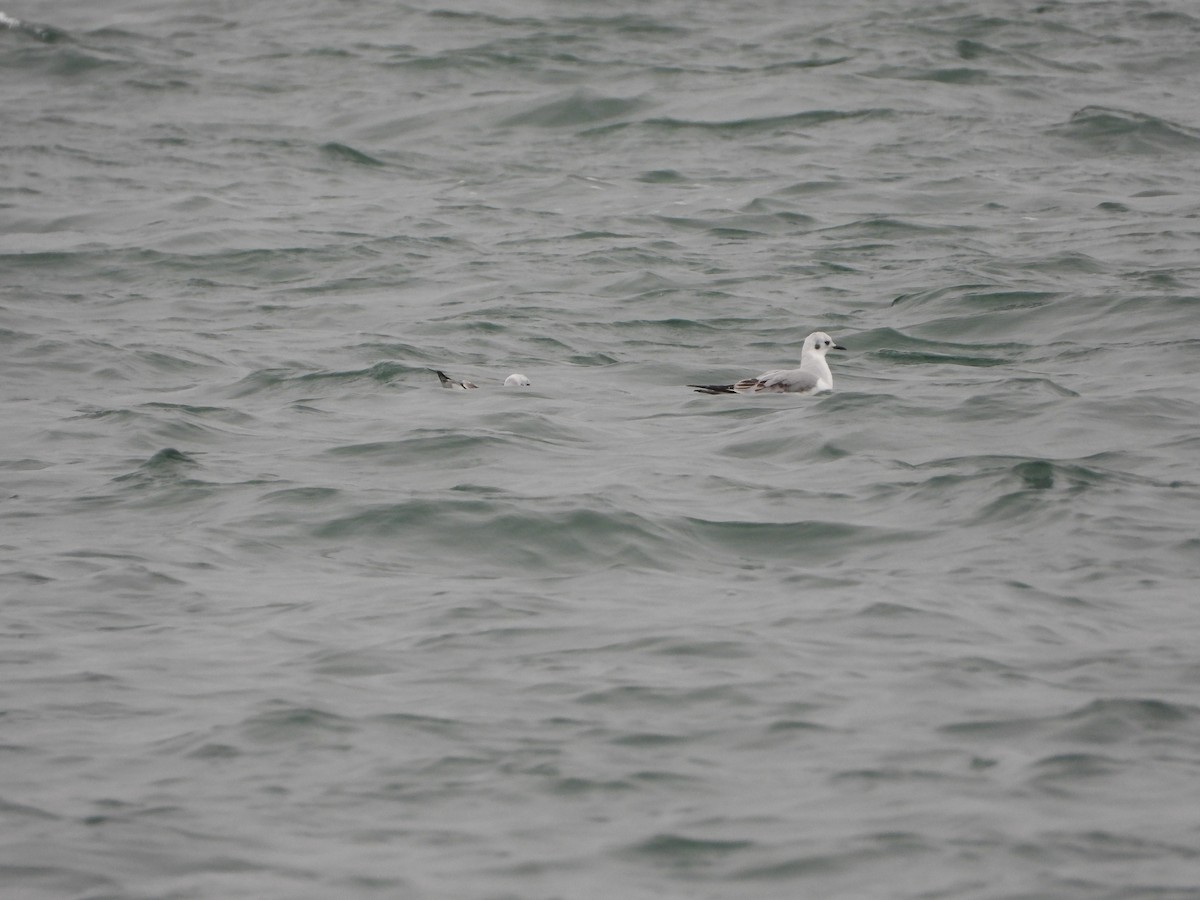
(813, 374)
(516, 379)
(448, 382)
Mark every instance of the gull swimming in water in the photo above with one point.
(813, 374)
(516, 379)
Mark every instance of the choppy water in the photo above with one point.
(282, 618)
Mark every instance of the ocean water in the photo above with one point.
(282, 618)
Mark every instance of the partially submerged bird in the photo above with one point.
(448, 382)
(516, 379)
(811, 376)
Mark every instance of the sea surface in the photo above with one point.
(282, 618)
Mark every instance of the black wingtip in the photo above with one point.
(713, 388)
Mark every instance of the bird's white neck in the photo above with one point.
(815, 362)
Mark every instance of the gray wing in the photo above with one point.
(786, 381)
(448, 382)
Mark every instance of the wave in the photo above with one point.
(501, 532)
(1106, 721)
(754, 124)
(1106, 131)
(46, 34)
(342, 153)
(579, 108)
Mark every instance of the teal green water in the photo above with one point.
(284, 618)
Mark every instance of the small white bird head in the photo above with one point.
(820, 343)
(516, 379)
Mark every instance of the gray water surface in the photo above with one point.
(283, 618)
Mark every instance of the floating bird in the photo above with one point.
(813, 374)
(516, 379)
(448, 382)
